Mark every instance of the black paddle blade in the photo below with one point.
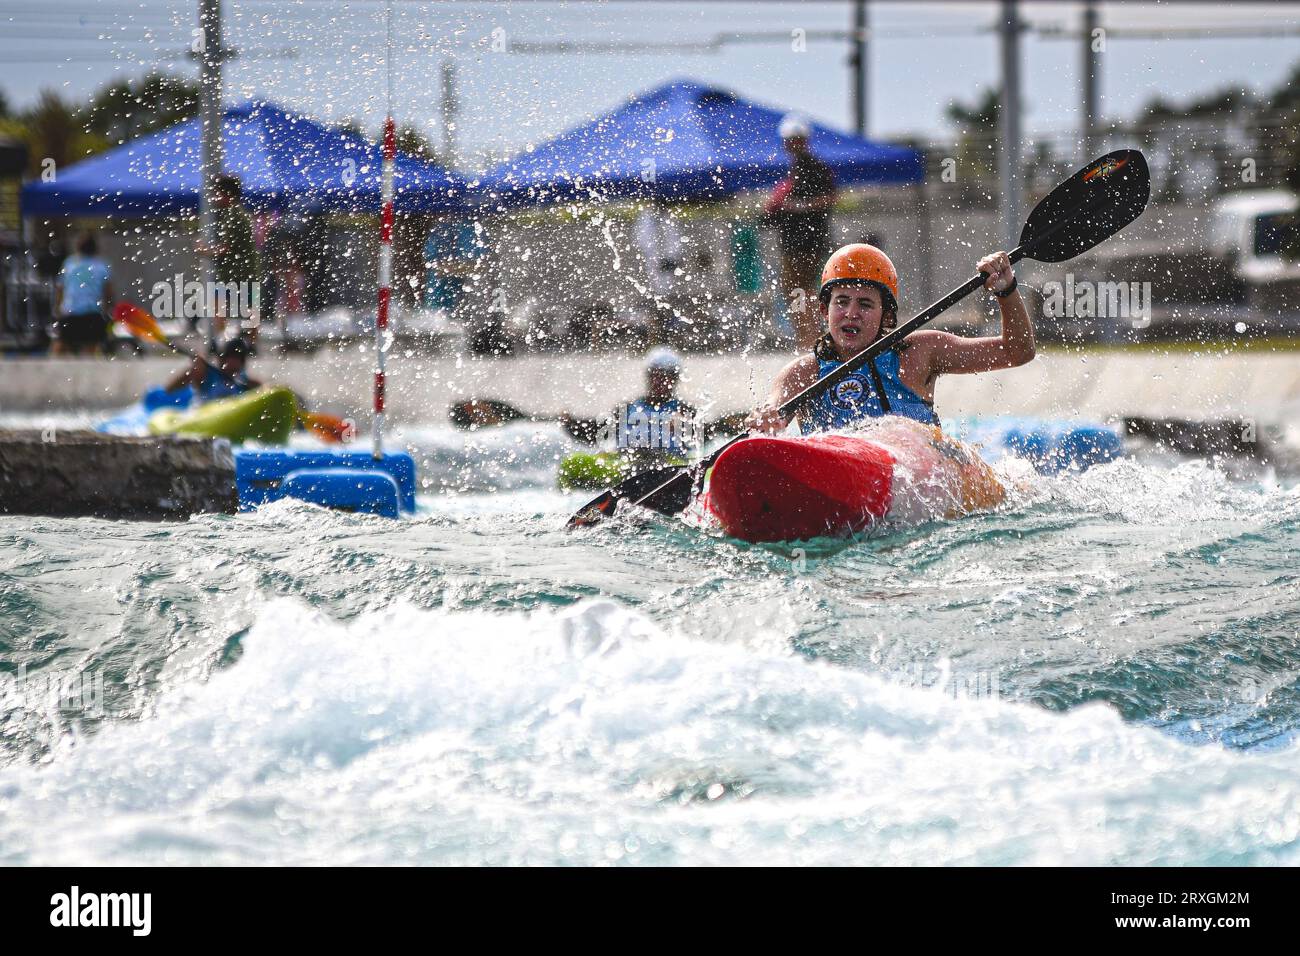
(483, 413)
(1088, 208)
(670, 497)
(644, 483)
(658, 489)
(594, 511)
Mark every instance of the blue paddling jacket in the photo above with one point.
(215, 385)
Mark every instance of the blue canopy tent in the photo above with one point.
(283, 162)
(683, 140)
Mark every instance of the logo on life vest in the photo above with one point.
(849, 394)
(1104, 169)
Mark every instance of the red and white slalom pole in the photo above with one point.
(385, 248)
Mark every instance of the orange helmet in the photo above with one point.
(857, 264)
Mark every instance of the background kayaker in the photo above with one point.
(656, 426)
(859, 302)
(800, 210)
(208, 383)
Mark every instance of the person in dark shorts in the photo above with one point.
(82, 298)
(800, 209)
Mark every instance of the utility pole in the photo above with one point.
(211, 54)
(858, 60)
(1009, 154)
(449, 107)
(1091, 75)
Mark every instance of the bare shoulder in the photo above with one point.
(804, 364)
(802, 372)
(928, 344)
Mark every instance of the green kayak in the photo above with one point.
(591, 471)
(266, 415)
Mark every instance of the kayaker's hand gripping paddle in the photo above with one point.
(1088, 208)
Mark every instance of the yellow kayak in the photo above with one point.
(265, 415)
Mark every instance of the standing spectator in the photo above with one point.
(285, 281)
(234, 257)
(457, 267)
(662, 246)
(800, 209)
(315, 259)
(680, 274)
(81, 300)
(452, 253)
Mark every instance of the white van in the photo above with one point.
(1250, 229)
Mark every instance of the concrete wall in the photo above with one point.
(1264, 386)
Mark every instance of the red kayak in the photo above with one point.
(789, 489)
(785, 489)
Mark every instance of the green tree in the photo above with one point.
(352, 126)
(983, 115)
(409, 140)
(52, 132)
(977, 126)
(126, 109)
(412, 142)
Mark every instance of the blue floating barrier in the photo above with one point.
(260, 475)
(1091, 445)
(346, 489)
(1051, 446)
(1033, 445)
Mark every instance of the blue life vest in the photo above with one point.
(855, 397)
(659, 426)
(215, 385)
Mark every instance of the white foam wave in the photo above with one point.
(590, 735)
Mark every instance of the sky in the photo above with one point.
(326, 58)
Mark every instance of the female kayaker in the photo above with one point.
(208, 383)
(859, 303)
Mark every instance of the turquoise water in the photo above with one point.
(1106, 671)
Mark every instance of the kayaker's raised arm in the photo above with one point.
(949, 354)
